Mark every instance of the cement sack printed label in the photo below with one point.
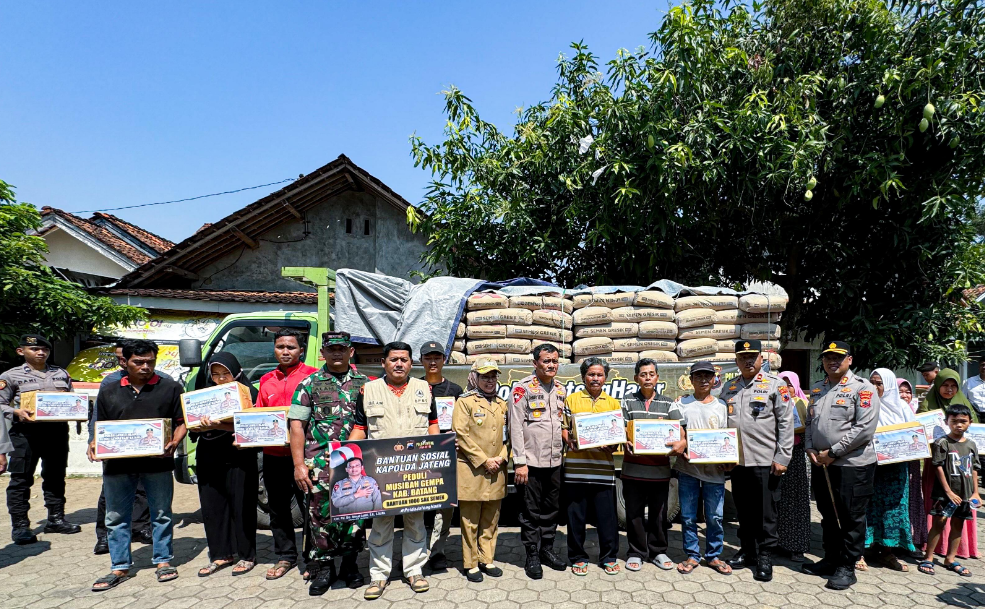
(554, 319)
(697, 346)
(659, 356)
(499, 358)
(760, 303)
(653, 298)
(726, 346)
(490, 331)
(460, 332)
(458, 345)
(714, 357)
(619, 299)
(738, 316)
(498, 345)
(694, 317)
(539, 332)
(535, 303)
(706, 302)
(612, 330)
(771, 345)
(643, 344)
(479, 301)
(516, 358)
(592, 346)
(642, 314)
(759, 331)
(716, 331)
(611, 358)
(563, 348)
(658, 329)
(592, 315)
(457, 358)
(518, 317)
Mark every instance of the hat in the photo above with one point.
(702, 367)
(34, 340)
(432, 347)
(484, 365)
(928, 366)
(336, 338)
(839, 347)
(748, 346)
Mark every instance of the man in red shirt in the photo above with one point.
(276, 389)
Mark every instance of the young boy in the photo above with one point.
(695, 482)
(955, 459)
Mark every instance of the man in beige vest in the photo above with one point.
(396, 406)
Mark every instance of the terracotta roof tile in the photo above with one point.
(974, 293)
(305, 298)
(100, 233)
(155, 242)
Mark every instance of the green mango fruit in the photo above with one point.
(924, 123)
(928, 111)
(808, 195)
(880, 100)
(811, 183)
(954, 141)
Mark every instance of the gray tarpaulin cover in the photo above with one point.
(378, 309)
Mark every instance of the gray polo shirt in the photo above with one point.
(762, 410)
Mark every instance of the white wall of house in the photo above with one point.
(67, 252)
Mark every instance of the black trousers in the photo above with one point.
(278, 479)
(647, 535)
(46, 442)
(602, 499)
(843, 535)
(140, 521)
(756, 492)
(540, 498)
(227, 488)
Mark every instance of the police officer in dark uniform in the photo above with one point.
(33, 441)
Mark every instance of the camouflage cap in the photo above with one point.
(336, 338)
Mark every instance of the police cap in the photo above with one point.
(928, 366)
(837, 346)
(34, 340)
(748, 346)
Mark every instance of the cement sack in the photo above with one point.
(563, 348)
(776, 362)
(535, 303)
(496, 331)
(460, 332)
(554, 319)
(516, 358)
(539, 332)
(658, 329)
(716, 331)
(759, 303)
(458, 345)
(642, 314)
(715, 303)
(589, 316)
(643, 344)
(696, 347)
(760, 331)
(653, 298)
(498, 345)
(726, 346)
(618, 299)
(592, 346)
(517, 317)
(659, 356)
(496, 357)
(690, 318)
(738, 316)
(718, 358)
(612, 330)
(480, 301)
(771, 345)
(457, 358)
(611, 358)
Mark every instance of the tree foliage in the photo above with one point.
(779, 142)
(34, 299)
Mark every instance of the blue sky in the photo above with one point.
(110, 104)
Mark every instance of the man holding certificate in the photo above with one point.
(841, 421)
(759, 406)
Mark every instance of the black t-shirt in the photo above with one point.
(158, 399)
(445, 389)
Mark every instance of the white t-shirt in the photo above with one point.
(698, 415)
(974, 390)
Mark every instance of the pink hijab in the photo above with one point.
(914, 403)
(795, 381)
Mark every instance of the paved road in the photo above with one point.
(59, 570)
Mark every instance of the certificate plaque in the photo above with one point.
(219, 403)
(933, 423)
(261, 427)
(650, 436)
(132, 438)
(713, 445)
(55, 405)
(901, 442)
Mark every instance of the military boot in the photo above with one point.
(58, 524)
(21, 533)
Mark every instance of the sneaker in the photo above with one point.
(843, 579)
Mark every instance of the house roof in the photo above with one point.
(302, 298)
(53, 217)
(213, 242)
(974, 294)
(155, 242)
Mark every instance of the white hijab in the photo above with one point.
(892, 409)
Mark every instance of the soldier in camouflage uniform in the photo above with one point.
(321, 416)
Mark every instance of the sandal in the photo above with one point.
(375, 590)
(664, 562)
(215, 565)
(243, 567)
(280, 569)
(166, 573)
(926, 566)
(720, 565)
(580, 568)
(611, 568)
(687, 566)
(860, 565)
(957, 568)
(634, 564)
(890, 561)
(112, 580)
(418, 584)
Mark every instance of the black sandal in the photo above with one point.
(112, 580)
(166, 574)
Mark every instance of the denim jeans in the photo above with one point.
(120, 490)
(691, 491)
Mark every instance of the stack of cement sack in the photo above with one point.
(709, 326)
(623, 327)
(507, 329)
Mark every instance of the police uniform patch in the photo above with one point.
(733, 387)
(3, 384)
(336, 487)
(840, 402)
(731, 407)
(865, 399)
(518, 392)
(784, 392)
(816, 390)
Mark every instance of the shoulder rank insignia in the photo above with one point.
(844, 380)
(816, 390)
(730, 387)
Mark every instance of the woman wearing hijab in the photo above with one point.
(227, 482)
(945, 391)
(887, 520)
(479, 421)
(793, 527)
(918, 522)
